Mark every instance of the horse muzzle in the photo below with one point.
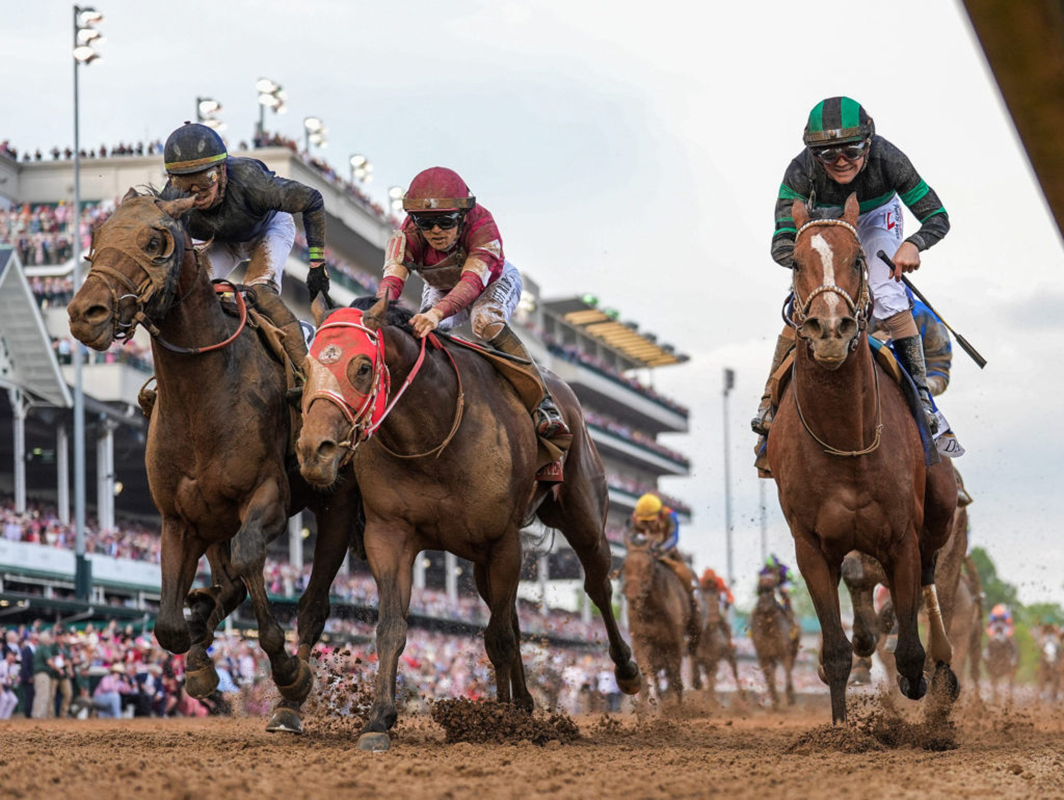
(319, 458)
(831, 339)
(91, 320)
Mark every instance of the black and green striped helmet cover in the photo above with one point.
(837, 120)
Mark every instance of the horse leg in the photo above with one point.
(768, 669)
(520, 696)
(788, 669)
(858, 582)
(674, 670)
(391, 553)
(179, 554)
(584, 531)
(904, 575)
(836, 655)
(209, 607)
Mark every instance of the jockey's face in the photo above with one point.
(439, 238)
(649, 527)
(205, 185)
(843, 170)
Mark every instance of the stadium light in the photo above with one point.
(271, 95)
(361, 169)
(85, 36)
(314, 132)
(395, 194)
(206, 108)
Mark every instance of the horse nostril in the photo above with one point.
(327, 450)
(847, 327)
(811, 328)
(96, 314)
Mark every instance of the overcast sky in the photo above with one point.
(634, 151)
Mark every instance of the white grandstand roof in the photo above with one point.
(27, 360)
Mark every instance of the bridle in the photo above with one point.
(860, 310)
(363, 420)
(154, 295)
(859, 307)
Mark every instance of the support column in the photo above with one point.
(450, 572)
(19, 408)
(295, 541)
(105, 475)
(62, 476)
(419, 571)
(542, 576)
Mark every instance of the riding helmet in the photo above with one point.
(647, 507)
(438, 189)
(193, 148)
(837, 120)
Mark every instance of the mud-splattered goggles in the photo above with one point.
(196, 181)
(445, 221)
(851, 152)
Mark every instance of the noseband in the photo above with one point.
(859, 308)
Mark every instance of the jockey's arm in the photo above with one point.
(795, 186)
(672, 532)
(293, 197)
(923, 202)
(395, 271)
(474, 277)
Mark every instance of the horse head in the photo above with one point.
(136, 256)
(766, 584)
(638, 568)
(347, 389)
(831, 296)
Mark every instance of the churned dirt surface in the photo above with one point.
(700, 751)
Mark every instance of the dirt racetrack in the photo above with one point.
(735, 753)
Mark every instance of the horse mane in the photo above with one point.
(396, 315)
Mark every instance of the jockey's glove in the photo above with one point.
(317, 281)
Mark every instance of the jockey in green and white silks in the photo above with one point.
(843, 155)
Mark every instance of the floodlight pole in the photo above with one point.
(82, 576)
(729, 383)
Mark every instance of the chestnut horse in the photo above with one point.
(776, 641)
(848, 462)
(451, 467)
(659, 616)
(216, 447)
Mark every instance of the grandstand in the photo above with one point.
(581, 341)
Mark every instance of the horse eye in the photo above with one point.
(154, 245)
(363, 370)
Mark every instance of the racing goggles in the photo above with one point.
(196, 182)
(445, 221)
(851, 152)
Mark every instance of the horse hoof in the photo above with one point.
(945, 674)
(200, 683)
(284, 720)
(909, 691)
(374, 742)
(298, 689)
(630, 680)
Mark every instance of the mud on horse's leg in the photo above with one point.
(822, 579)
(180, 553)
(391, 558)
(904, 577)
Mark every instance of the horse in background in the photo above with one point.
(216, 446)
(659, 616)
(1002, 660)
(848, 461)
(714, 645)
(1050, 663)
(776, 640)
(446, 459)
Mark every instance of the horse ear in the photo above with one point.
(373, 318)
(320, 307)
(800, 213)
(176, 208)
(852, 209)
(130, 194)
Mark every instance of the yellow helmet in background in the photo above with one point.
(647, 507)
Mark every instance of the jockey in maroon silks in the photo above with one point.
(455, 246)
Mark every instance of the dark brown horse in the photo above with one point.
(659, 616)
(714, 645)
(451, 467)
(1002, 659)
(776, 640)
(848, 462)
(216, 447)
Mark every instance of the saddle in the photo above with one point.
(550, 459)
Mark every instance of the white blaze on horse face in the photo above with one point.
(827, 257)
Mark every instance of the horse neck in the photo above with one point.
(194, 319)
(839, 402)
(425, 414)
(712, 605)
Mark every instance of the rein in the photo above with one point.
(858, 309)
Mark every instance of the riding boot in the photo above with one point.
(270, 302)
(548, 419)
(910, 352)
(762, 421)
